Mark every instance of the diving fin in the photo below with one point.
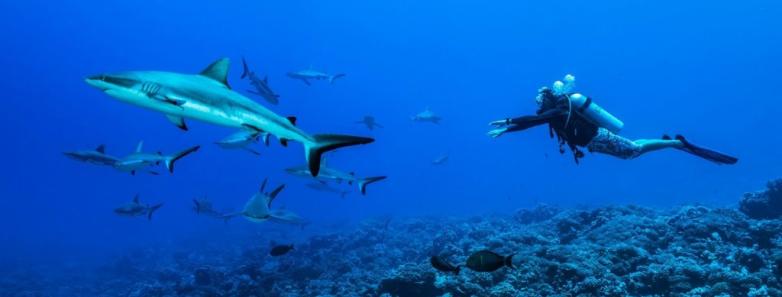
(705, 153)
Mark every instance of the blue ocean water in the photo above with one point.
(705, 69)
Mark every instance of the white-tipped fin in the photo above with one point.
(139, 146)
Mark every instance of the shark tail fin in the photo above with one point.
(265, 137)
(326, 142)
(173, 158)
(335, 76)
(362, 184)
(152, 210)
(246, 70)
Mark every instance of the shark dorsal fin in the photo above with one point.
(135, 199)
(274, 194)
(263, 185)
(139, 146)
(266, 79)
(218, 71)
(101, 149)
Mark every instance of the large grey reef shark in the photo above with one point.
(135, 209)
(258, 208)
(311, 74)
(327, 173)
(208, 97)
(97, 156)
(261, 85)
(140, 160)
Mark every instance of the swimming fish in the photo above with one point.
(135, 208)
(426, 116)
(370, 122)
(308, 74)
(280, 250)
(488, 261)
(261, 85)
(442, 265)
(329, 173)
(97, 156)
(208, 97)
(139, 160)
(440, 160)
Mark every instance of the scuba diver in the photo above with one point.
(578, 122)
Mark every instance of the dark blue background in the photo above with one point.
(706, 69)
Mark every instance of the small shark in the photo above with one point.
(323, 187)
(261, 85)
(242, 140)
(208, 97)
(370, 122)
(258, 208)
(97, 156)
(140, 160)
(285, 216)
(327, 173)
(426, 116)
(440, 160)
(311, 74)
(135, 209)
(204, 207)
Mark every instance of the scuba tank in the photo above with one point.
(584, 105)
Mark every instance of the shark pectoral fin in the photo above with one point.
(177, 121)
(169, 100)
(306, 82)
(265, 138)
(253, 128)
(218, 71)
(252, 151)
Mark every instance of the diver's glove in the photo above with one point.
(497, 132)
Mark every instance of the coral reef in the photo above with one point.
(609, 251)
(766, 204)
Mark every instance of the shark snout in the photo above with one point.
(97, 81)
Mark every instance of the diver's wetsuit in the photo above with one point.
(575, 130)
